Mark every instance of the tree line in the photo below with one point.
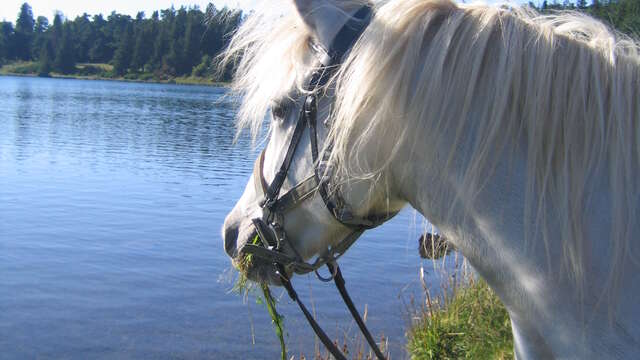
(170, 43)
(623, 15)
(179, 42)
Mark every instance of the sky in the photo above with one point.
(71, 8)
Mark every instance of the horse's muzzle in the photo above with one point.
(236, 237)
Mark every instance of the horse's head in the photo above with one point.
(310, 218)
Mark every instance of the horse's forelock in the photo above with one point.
(271, 56)
(269, 52)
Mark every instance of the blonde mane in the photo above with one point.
(562, 86)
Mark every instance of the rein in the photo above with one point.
(274, 206)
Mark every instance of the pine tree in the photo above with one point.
(42, 24)
(123, 55)
(114, 30)
(56, 30)
(143, 49)
(25, 22)
(160, 46)
(39, 36)
(98, 50)
(84, 37)
(65, 61)
(3, 49)
(6, 41)
(211, 39)
(193, 34)
(45, 59)
(24, 32)
(175, 58)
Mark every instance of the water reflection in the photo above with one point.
(137, 125)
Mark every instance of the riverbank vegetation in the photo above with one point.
(469, 322)
(88, 71)
(169, 46)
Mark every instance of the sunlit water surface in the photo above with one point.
(112, 196)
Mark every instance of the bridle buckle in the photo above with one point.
(310, 107)
(267, 203)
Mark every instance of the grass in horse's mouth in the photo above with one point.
(242, 285)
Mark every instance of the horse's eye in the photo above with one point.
(280, 110)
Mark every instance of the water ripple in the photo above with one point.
(112, 196)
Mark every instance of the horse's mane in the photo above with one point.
(563, 86)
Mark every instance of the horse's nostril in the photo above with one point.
(230, 240)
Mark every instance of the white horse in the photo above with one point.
(516, 134)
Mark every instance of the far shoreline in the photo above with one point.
(171, 81)
(104, 72)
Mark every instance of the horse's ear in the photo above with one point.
(304, 7)
(305, 10)
(324, 18)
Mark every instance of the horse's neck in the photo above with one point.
(490, 231)
(544, 302)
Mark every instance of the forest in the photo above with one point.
(170, 43)
(623, 15)
(174, 43)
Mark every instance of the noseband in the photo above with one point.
(270, 227)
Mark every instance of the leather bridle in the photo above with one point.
(270, 227)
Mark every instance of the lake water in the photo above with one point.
(112, 196)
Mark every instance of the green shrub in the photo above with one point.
(109, 74)
(131, 76)
(472, 324)
(22, 68)
(203, 68)
(89, 70)
(145, 76)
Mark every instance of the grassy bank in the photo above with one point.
(102, 72)
(471, 323)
